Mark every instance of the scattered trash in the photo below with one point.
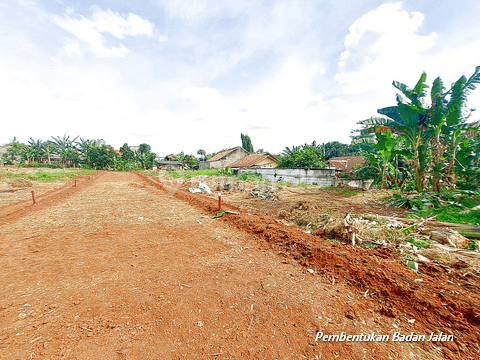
(201, 187)
(220, 214)
(140, 218)
(422, 258)
(311, 271)
(412, 265)
(198, 221)
(204, 187)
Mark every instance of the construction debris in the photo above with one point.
(265, 192)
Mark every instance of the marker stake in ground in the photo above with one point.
(33, 198)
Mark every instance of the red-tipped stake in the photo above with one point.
(75, 183)
(33, 198)
(219, 201)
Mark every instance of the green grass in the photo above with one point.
(338, 190)
(283, 183)
(369, 245)
(187, 174)
(250, 177)
(419, 243)
(42, 175)
(453, 207)
(453, 215)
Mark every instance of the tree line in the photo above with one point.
(86, 153)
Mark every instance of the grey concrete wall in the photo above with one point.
(321, 177)
(361, 184)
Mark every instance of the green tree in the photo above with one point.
(100, 157)
(144, 148)
(66, 148)
(202, 153)
(247, 143)
(14, 152)
(302, 156)
(127, 153)
(48, 148)
(34, 148)
(337, 149)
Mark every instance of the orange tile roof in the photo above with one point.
(252, 159)
(221, 154)
(347, 162)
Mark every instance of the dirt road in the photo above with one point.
(123, 267)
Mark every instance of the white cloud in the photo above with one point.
(118, 26)
(382, 44)
(90, 31)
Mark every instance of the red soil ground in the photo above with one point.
(125, 267)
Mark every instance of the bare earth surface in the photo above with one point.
(125, 267)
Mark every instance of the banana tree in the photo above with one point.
(66, 148)
(457, 129)
(407, 118)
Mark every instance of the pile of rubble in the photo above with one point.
(265, 192)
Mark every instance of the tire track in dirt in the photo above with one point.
(13, 212)
(396, 290)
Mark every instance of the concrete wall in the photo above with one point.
(361, 184)
(321, 177)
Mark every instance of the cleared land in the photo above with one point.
(125, 266)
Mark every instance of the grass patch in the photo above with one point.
(250, 177)
(284, 183)
(42, 175)
(453, 207)
(453, 215)
(187, 174)
(419, 243)
(369, 245)
(339, 190)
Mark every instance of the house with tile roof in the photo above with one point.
(346, 163)
(256, 160)
(224, 158)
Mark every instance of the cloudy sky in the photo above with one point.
(194, 74)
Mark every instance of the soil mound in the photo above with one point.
(22, 183)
